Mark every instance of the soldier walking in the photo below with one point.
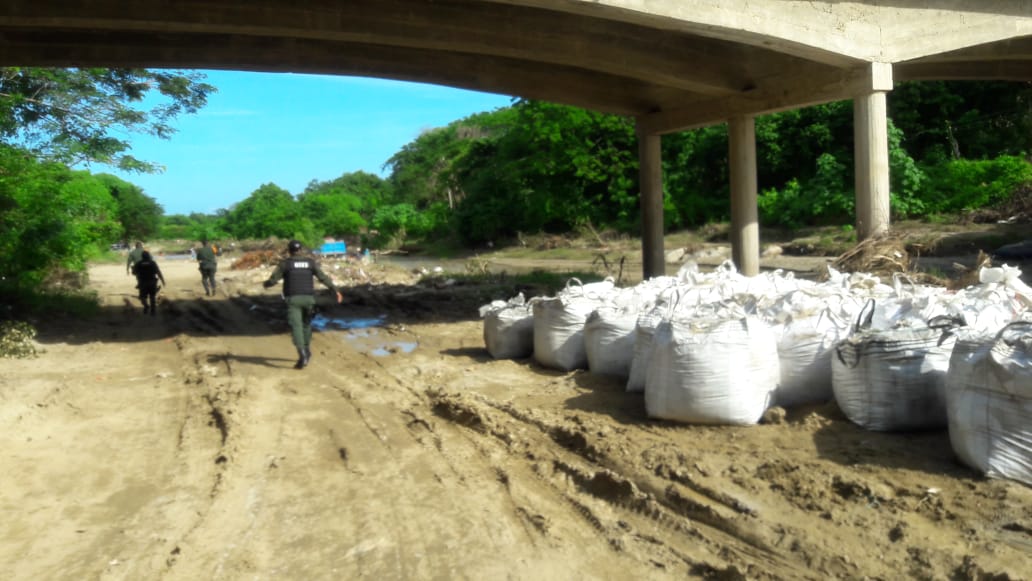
(208, 266)
(147, 276)
(298, 273)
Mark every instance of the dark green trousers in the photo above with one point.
(208, 279)
(300, 310)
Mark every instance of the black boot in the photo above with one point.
(302, 359)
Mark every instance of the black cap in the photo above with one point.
(293, 246)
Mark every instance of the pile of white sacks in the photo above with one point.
(721, 348)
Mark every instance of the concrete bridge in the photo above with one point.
(670, 64)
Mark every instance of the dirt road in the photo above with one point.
(185, 446)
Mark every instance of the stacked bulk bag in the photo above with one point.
(609, 340)
(805, 349)
(559, 324)
(644, 329)
(609, 332)
(648, 320)
(694, 292)
(809, 322)
(508, 328)
(999, 299)
(712, 371)
(894, 379)
(989, 402)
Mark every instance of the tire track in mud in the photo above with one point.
(217, 441)
(590, 483)
(690, 516)
(435, 455)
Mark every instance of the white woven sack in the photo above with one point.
(644, 329)
(508, 329)
(609, 341)
(805, 349)
(559, 323)
(724, 373)
(559, 332)
(893, 379)
(989, 403)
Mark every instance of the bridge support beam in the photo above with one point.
(651, 183)
(871, 155)
(745, 226)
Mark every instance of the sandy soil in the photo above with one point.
(184, 446)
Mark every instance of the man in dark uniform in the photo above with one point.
(297, 273)
(208, 265)
(147, 276)
(134, 256)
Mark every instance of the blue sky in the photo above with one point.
(290, 129)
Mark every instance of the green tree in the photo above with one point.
(345, 205)
(270, 211)
(87, 115)
(50, 217)
(333, 213)
(963, 119)
(139, 214)
(423, 171)
(695, 176)
(196, 226)
(548, 167)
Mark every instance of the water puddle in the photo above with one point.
(366, 334)
(321, 323)
(396, 346)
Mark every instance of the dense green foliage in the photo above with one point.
(549, 168)
(138, 213)
(528, 168)
(50, 217)
(54, 218)
(538, 167)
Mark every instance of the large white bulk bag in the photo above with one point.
(893, 379)
(712, 372)
(989, 403)
(644, 329)
(609, 340)
(559, 324)
(805, 349)
(508, 328)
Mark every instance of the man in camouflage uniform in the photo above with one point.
(147, 276)
(208, 266)
(298, 273)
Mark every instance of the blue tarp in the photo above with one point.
(333, 248)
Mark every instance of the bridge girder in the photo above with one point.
(673, 65)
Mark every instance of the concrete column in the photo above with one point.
(651, 183)
(871, 158)
(745, 225)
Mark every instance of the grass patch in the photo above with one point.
(49, 303)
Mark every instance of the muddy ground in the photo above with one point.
(185, 446)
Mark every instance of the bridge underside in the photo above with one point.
(685, 64)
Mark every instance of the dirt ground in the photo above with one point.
(185, 446)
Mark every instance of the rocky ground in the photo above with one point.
(185, 446)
